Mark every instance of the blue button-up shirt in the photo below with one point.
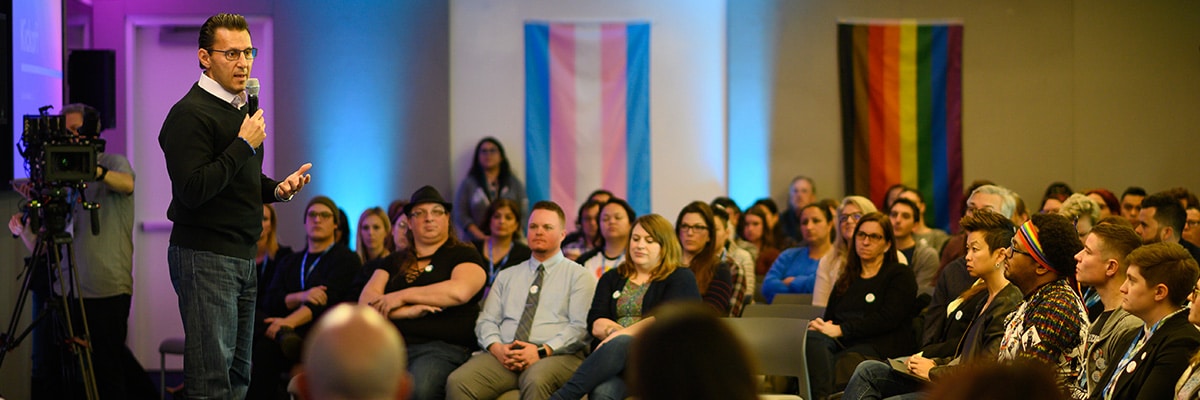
(561, 318)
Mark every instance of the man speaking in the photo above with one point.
(213, 151)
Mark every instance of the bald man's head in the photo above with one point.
(354, 353)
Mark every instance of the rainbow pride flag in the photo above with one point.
(901, 93)
(587, 111)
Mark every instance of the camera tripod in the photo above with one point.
(47, 254)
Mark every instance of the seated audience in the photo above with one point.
(932, 237)
(802, 192)
(534, 323)
(870, 310)
(1188, 386)
(830, 266)
(1191, 226)
(624, 305)
(1160, 278)
(1131, 203)
(373, 230)
(305, 285)
(990, 301)
(953, 279)
(741, 266)
(501, 249)
(1109, 205)
(489, 178)
(587, 231)
(431, 292)
(1051, 323)
(1082, 211)
(795, 271)
(353, 353)
(891, 194)
(616, 221)
(269, 253)
(923, 260)
(697, 239)
(722, 371)
(1161, 219)
(755, 236)
(730, 207)
(1101, 266)
(1055, 195)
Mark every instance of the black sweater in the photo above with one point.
(877, 310)
(217, 184)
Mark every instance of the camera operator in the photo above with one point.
(104, 265)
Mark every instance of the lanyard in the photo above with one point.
(492, 265)
(1134, 347)
(305, 271)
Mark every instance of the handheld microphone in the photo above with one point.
(252, 95)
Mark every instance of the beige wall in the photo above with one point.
(1094, 93)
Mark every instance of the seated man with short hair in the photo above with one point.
(1161, 276)
(534, 321)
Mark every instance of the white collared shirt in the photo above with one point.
(212, 87)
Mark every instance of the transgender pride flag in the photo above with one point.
(587, 111)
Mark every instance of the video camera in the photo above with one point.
(59, 162)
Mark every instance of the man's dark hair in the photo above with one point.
(1133, 190)
(1060, 243)
(208, 31)
(768, 203)
(551, 206)
(1167, 211)
(916, 212)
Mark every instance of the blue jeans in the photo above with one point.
(877, 380)
(216, 300)
(430, 364)
(599, 376)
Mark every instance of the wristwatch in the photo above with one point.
(542, 351)
(103, 173)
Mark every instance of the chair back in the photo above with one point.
(793, 298)
(783, 311)
(777, 345)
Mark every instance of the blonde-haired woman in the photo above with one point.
(625, 300)
(373, 240)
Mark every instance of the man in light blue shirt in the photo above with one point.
(534, 321)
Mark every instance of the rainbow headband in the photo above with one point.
(1027, 234)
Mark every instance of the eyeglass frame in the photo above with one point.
(1013, 249)
(873, 237)
(250, 53)
(846, 217)
(436, 212)
(319, 215)
(693, 228)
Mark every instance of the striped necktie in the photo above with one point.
(531, 304)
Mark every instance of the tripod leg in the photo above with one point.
(83, 353)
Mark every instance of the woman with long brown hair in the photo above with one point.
(870, 311)
(623, 306)
(697, 238)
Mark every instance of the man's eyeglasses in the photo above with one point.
(436, 213)
(693, 228)
(234, 54)
(320, 215)
(1014, 248)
